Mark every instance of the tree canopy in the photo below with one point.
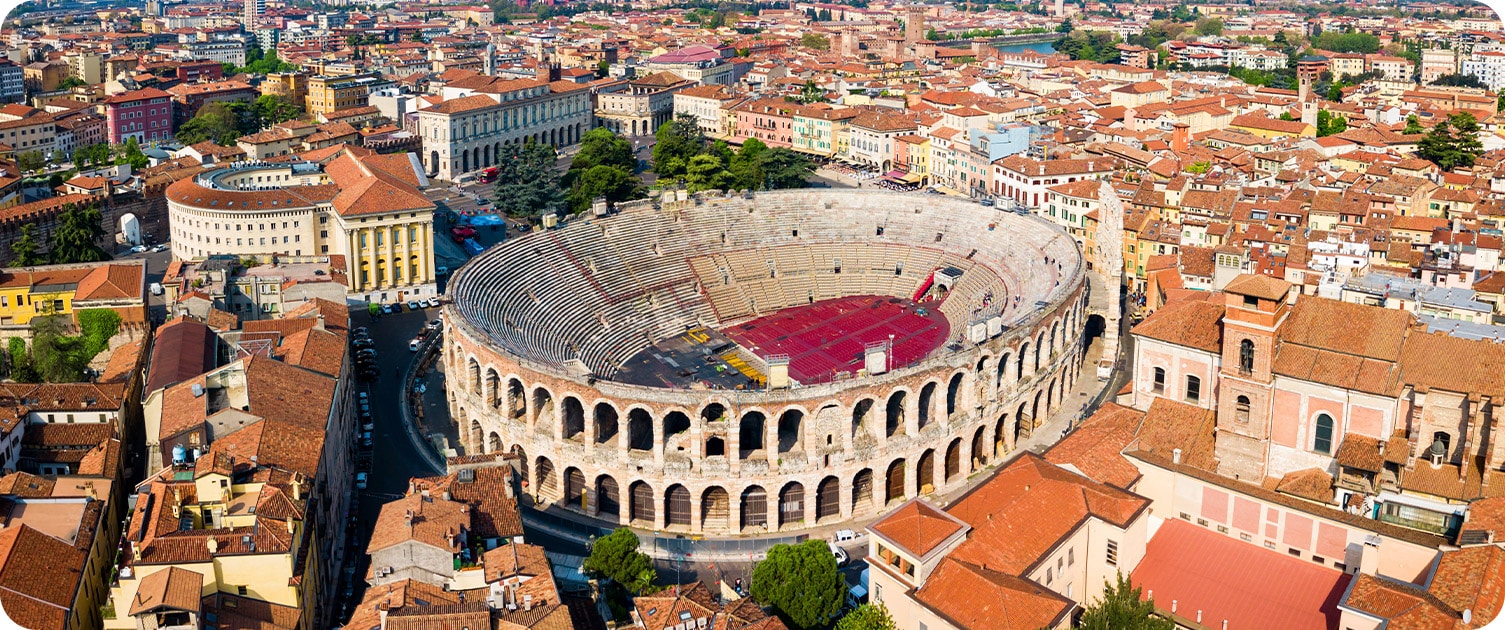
(604, 167)
(867, 617)
(1354, 42)
(526, 184)
(1121, 609)
(801, 583)
(1329, 123)
(815, 41)
(76, 236)
(24, 250)
(214, 121)
(1452, 143)
(616, 557)
(676, 142)
(1459, 80)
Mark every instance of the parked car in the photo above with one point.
(841, 554)
(365, 438)
(394, 308)
(434, 324)
(363, 342)
(368, 426)
(415, 305)
(360, 480)
(361, 331)
(415, 344)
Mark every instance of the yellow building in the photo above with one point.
(333, 93)
(821, 130)
(29, 292)
(290, 85)
(1269, 128)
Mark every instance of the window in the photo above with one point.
(1241, 409)
(1071, 557)
(1246, 356)
(1159, 386)
(1193, 389)
(1112, 553)
(1323, 441)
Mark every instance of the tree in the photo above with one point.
(613, 184)
(76, 237)
(786, 168)
(1413, 126)
(1209, 26)
(810, 93)
(603, 68)
(706, 172)
(1121, 609)
(1329, 124)
(1065, 26)
(417, 37)
(526, 184)
(132, 155)
(867, 617)
(70, 83)
(1198, 168)
(675, 143)
(615, 556)
(215, 122)
(601, 147)
(801, 583)
(23, 250)
(30, 160)
(747, 165)
(1347, 42)
(271, 109)
(606, 167)
(1459, 80)
(815, 41)
(932, 35)
(1286, 115)
(1452, 142)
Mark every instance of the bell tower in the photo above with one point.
(1255, 307)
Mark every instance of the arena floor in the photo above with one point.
(825, 340)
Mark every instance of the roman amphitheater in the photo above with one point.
(727, 365)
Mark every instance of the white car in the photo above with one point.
(841, 554)
(360, 480)
(414, 345)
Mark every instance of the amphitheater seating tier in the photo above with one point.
(599, 290)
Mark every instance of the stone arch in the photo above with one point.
(494, 443)
(543, 405)
(953, 466)
(477, 436)
(862, 492)
(713, 413)
(927, 402)
(473, 375)
(675, 423)
(1019, 369)
(1039, 350)
(547, 484)
(521, 457)
(1001, 375)
(1034, 410)
(604, 421)
(893, 486)
(828, 499)
(677, 506)
(1055, 338)
(493, 387)
(571, 419)
(979, 448)
(574, 490)
(791, 504)
(862, 422)
(1021, 423)
(1001, 434)
(639, 429)
(640, 503)
(754, 504)
(517, 398)
(893, 415)
(608, 497)
(953, 394)
(925, 472)
(791, 430)
(751, 433)
(715, 510)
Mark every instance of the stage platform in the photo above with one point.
(825, 340)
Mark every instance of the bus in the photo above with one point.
(488, 175)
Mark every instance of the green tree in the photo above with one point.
(215, 121)
(1452, 142)
(746, 166)
(601, 147)
(1198, 168)
(23, 250)
(21, 368)
(1209, 26)
(76, 237)
(932, 35)
(810, 93)
(1413, 126)
(31, 160)
(867, 617)
(1121, 609)
(801, 583)
(1286, 115)
(786, 168)
(1459, 80)
(1329, 124)
(417, 37)
(706, 172)
(675, 143)
(1065, 26)
(132, 155)
(603, 68)
(613, 184)
(616, 557)
(70, 83)
(271, 109)
(815, 41)
(1347, 42)
(526, 184)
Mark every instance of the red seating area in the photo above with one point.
(825, 339)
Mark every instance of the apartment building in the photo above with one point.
(481, 114)
(145, 115)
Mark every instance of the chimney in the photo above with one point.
(407, 519)
(1369, 558)
(1176, 456)
(1180, 137)
(1199, 617)
(213, 545)
(445, 495)
(1173, 606)
(290, 526)
(1382, 447)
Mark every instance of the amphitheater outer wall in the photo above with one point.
(724, 463)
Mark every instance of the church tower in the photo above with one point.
(1255, 307)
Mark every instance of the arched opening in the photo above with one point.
(1241, 409)
(1034, 410)
(677, 506)
(1094, 330)
(639, 430)
(606, 423)
(860, 413)
(862, 493)
(1021, 423)
(894, 488)
(516, 398)
(979, 448)
(473, 376)
(894, 416)
(754, 507)
(750, 434)
(574, 490)
(543, 406)
(791, 430)
(1019, 363)
(608, 498)
(494, 443)
(954, 460)
(953, 394)
(1001, 374)
(1322, 438)
(715, 446)
(478, 436)
(572, 419)
(712, 413)
(925, 473)
(1040, 349)
(1050, 397)
(640, 503)
(548, 486)
(715, 510)
(828, 499)
(927, 403)
(676, 423)
(1000, 435)
(493, 388)
(791, 504)
(1246, 356)
(521, 456)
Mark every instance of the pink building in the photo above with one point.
(768, 119)
(145, 115)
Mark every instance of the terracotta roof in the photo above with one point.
(1472, 579)
(493, 511)
(1194, 324)
(184, 349)
(1095, 447)
(975, 597)
(176, 588)
(1313, 484)
(39, 576)
(430, 520)
(1404, 605)
(1170, 425)
(1260, 286)
(918, 527)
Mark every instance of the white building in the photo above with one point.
(1488, 66)
(481, 114)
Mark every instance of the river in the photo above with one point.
(1044, 48)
